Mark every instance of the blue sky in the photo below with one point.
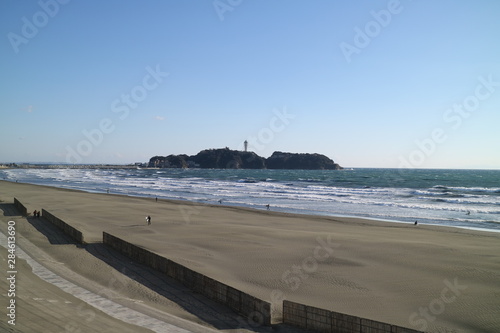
(367, 83)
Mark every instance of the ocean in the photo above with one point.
(458, 198)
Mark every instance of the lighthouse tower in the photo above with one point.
(246, 145)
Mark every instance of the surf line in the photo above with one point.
(105, 305)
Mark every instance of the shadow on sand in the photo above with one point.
(9, 209)
(208, 311)
(54, 235)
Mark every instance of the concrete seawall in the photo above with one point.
(254, 309)
(324, 321)
(66, 228)
(20, 207)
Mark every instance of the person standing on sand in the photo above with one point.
(148, 218)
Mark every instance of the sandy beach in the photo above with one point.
(422, 277)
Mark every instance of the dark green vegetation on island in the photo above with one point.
(233, 159)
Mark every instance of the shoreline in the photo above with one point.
(312, 215)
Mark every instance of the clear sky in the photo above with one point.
(367, 83)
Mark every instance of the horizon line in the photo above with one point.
(142, 163)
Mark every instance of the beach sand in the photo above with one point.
(422, 277)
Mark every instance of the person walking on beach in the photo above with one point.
(148, 218)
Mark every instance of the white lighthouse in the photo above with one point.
(246, 145)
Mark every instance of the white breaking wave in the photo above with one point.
(438, 203)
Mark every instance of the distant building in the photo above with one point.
(246, 145)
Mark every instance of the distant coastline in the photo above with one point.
(223, 158)
(70, 166)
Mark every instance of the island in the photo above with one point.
(226, 158)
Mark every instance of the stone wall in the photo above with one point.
(254, 309)
(20, 207)
(66, 228)
(324, 321)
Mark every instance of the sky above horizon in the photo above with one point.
(367, 83)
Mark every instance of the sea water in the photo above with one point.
(460, 198)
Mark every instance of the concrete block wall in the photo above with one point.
(324, 321)
(66, 228)
(294, 314)
(20, 207)
(254, 309)
(319, 319)
(346, 323)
